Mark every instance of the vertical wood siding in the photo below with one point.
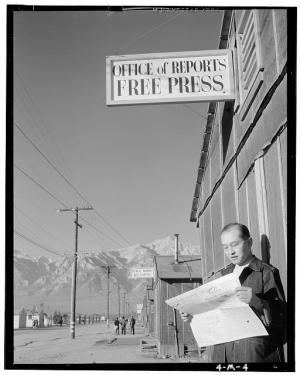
(274, 207)
(253, 214)
(258, 196)
(204, 248)
(163, 338)
(229, 204)
(283, 147)
(206, 184)
(166, 333)
(243, 209)
(252, 202)
(217, 227)
(208, 239)
(281, 35)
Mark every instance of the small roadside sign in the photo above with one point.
(140, 273)
(139, 308)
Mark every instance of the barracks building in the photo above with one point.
(242, 172)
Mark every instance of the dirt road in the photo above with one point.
(91, 345)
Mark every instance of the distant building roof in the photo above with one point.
(188, 267)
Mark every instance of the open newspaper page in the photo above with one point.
(218, 314)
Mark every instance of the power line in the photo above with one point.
(36, 243)
(90, 233)
(24, 108)
(67, 181)
(193, 110)
(147, 32)
(26, 114)
(58, 151)
(97, 213)
(29, 96)
(37, 224)
(50, 162)
(39, 185)
(27, 230)
(64, 205)
(103, 234)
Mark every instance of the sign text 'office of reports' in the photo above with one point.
(200, 76)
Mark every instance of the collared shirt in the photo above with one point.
(239, 269)
(267, 293)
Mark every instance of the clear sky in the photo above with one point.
(136, 165)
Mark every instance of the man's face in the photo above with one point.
(237, 250)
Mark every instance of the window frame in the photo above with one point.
(245, 96)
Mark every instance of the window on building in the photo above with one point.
(249, 57)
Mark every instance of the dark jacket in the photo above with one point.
(132, 322)
(267, 300)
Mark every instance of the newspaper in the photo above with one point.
(218, 314)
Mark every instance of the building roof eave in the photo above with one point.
(207, 133)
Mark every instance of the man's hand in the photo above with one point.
(187, 318)
(244, 293)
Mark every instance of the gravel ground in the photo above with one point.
(91, 345)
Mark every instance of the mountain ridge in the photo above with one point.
(42, 280)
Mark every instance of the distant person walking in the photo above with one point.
(123, 325)
(117, 324)
(132, 323)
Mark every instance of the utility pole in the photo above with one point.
(74, 274)
(128, 308)
(124, 294)
(119, 302)
(107, 303)
(147, 308)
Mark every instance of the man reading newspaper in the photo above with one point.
(262, 290)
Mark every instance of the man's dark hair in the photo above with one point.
(244, 230)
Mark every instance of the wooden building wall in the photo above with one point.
(164, 332)
(245, 177)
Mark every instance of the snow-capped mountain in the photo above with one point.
(41, 280)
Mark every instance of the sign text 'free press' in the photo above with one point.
(199, 76)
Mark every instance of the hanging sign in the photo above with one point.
(199, 76)
(139, 308)
(140, 273)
